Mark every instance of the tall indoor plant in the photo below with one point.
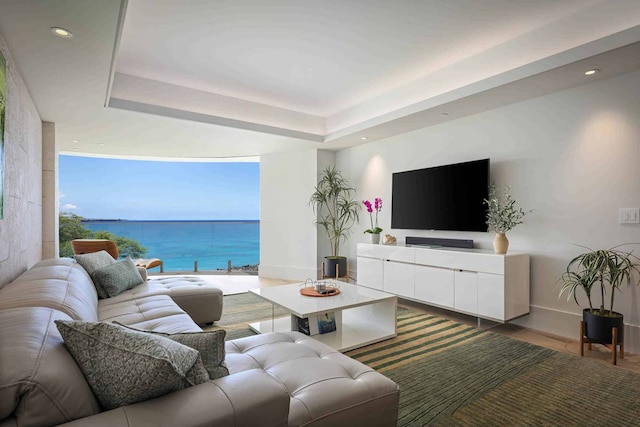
(608, 270)
(502, 215)
(337, 212)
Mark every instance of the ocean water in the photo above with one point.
(179, 243)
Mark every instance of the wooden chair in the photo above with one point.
(87, 246)
(149, 263)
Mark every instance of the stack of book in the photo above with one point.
(314, 325)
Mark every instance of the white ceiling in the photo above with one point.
(209, 79)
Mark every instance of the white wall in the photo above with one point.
(288, 236)
(21, 228)
(574, 156)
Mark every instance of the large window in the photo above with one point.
(180, 212)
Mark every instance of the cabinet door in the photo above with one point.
(466, 291)
(370, 272)
(398, 278)
(434, 285)
(491, 296)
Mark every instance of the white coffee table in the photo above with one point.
(363, 316)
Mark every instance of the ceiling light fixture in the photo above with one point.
(75, 141)
(363, 138)
(61, 32)
(591, 72)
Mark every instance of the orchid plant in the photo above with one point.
(377, 207)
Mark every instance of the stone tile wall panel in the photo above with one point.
(21, 227)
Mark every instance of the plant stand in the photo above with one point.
(337, 276)
(613, 346)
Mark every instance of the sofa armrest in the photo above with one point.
(143, 273)
(248, 398)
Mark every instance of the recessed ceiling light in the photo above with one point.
(101, 144)
(76, 149)
(591, 72)
(61, 32)
(75, 141)
(363, 138)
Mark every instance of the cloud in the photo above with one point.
(60, 195)
(69, 207)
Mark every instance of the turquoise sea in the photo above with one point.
(179, 243)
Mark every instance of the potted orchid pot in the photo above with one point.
(606, 270)
(502, 215)
(337, 212)
(374, 231)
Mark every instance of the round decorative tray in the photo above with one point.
(312, 292)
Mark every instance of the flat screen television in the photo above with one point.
(449, 197)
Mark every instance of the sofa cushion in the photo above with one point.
(210, 345)
(200, 299)
(40, 383)
(247, 399)
(141, 310)
(94, 261)
(60, 284)
(117, 277)
(174, 324)
(124, 366)
(326, 387)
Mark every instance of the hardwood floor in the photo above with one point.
(242, 283)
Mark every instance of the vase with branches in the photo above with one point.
(337, 211)
(503, 214)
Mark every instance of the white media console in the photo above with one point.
(471, 281)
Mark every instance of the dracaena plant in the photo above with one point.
(503, 213)
(376, 207)
(608, 268)
(335, 207)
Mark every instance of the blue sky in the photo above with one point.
(136, 189)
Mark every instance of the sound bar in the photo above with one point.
(433, 241)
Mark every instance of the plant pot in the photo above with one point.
(500, 243)
(374, 238)
(598, 328)
(330, 264)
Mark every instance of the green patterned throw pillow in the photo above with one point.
(124, 366)
(210, 345)
(117, 277)
(95, 261)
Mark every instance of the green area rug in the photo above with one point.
(453, 375)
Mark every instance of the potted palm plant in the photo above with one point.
(502, 215)
(337, 212)
(610, 269)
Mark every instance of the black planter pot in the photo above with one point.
(330, 264)
(598, 328)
